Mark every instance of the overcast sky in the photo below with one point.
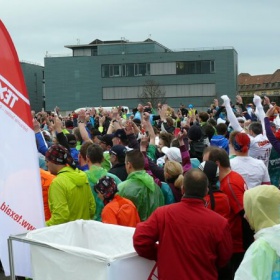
(250, 26)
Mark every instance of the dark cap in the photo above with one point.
(195, 132)
(59, 155)
(118, 150)
(107, 139)
(107, 187)
(120, 133)
(71, 139)
(95, 132)
(137, 121)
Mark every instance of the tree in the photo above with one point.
(152, 93)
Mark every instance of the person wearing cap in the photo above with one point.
(72, 142)
(105, 142)
(70, 197)
(192, 112)
(95, 172)
(187, 240)
(125, 137)
(251, 169)
(139, 186)
(262, 259)
(117, 159)
(196, 143)
(117, 210)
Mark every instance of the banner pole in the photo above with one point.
(11, 259)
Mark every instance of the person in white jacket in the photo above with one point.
(260, 147)
(262, 210)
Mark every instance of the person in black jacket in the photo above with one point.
(117, 159)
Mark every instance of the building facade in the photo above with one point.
(261, 85)
(111, 73)
(34, 80)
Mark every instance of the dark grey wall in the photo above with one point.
(33, 76)
(74, 82)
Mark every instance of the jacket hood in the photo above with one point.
(145, 178)
(95, 173)
(77, 176)
(262, 206)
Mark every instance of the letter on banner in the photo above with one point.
(21, 202)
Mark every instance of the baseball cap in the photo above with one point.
(107, 139)
(172, 153)
(118, 150)
(120, 133)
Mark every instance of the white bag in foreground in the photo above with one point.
(87, 250)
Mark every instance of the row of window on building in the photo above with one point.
(147, 69)
(265, 85)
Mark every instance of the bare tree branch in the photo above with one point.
(152, 93)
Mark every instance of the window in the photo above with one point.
(129, 70)
(141, 69)
(195, 67)
(105, 71)
(115, 70)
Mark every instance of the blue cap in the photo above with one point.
(190, 106)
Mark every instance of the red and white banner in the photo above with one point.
(21, 203)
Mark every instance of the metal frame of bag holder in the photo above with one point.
(21, 238)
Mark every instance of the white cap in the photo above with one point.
(220, 120)
(172, 153)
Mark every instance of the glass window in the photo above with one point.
(205, 67)
(212, 70)
(140, 69)
(129, 70)
(180, 68)
(105, 71)
(115, 70)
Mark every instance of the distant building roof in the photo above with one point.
(247, 79)
(97, 42)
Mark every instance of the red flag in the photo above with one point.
(13, 93)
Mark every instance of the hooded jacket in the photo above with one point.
(220, 141)
(70, 197)
(141, 189)
(262, 259)
(94, 174)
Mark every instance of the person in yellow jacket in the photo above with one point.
(262, 210)
(70, 196)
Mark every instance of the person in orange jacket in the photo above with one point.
(46, 179)
(117, 210)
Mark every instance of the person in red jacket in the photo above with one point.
(188, 240)
(216, 199)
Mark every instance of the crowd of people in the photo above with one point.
(200, 187)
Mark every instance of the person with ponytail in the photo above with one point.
(70, 196)
(215, 200)
(172, 187)
(253, 170)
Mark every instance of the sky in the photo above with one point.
(251, 27)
